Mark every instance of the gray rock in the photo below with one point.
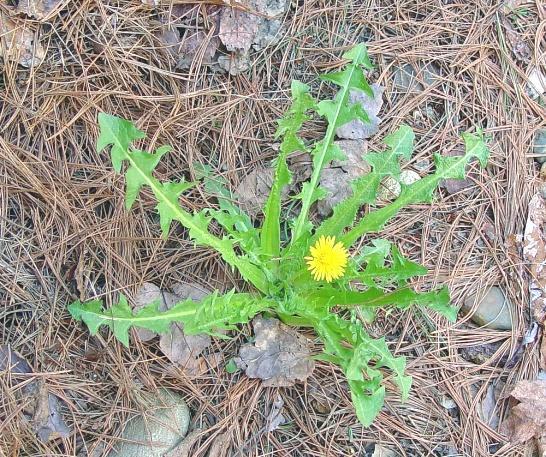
(493, 309)
(539, 146)
(161, 429)
(410, 77)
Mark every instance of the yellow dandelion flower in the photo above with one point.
(328, 259)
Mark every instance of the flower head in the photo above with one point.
(328, 259)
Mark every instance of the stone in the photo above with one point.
(153, 434)
(408, 177)
(493, 309)
(539, 146)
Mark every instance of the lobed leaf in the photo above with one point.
(422, 190)
(365, 188)
(289, 126)
(119, 133)
(208, 316)
(337, 112)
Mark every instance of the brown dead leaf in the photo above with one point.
(39, 9)
(356, 129)
(528, 419)
(17, 43)
(543, 351)
(41, 408)
(275, 418)
(238, 29)
(279, 356)
(253, 190)
(337, 177)
(184, 350)
(519, 47)
(534, 254)
(199, 46)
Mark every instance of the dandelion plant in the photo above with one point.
(316, 278)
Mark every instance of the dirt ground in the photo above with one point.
(65, 235)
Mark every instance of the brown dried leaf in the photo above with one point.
(17, 43)
(184, 350)
(336, 179)
(534, 254)
(220, 446)
(253, 190)
(275, 418)
(519, 47)
(41, 407)
(197, 45)
(356, 129)
(528, 419)
(238, 29)
(279, 356)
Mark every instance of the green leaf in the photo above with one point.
(208, 316)
(168, 205)
(289, 126)
(119, 133)
(422, 190)
(360, 357)
(231, 367)
(374, 297)
(401, 268)
(367, 406)
(359, 56)
(365, 188)
(134, 176)
(337, 112)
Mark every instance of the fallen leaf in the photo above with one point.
(44, 415)
(381, 451)
(237, 29)
(337, 177)
(185, 350)
(279, 356)
(198, 46)
(17, 42)
(271, 12)
(543, 351)
(534, 254)
(256, 27)
(519, 47)
(275, 418)
(528, 419)
(487, 409)
(254, 189)
(184, 448)
(41, 409)
(356, 129)
(39, 9)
